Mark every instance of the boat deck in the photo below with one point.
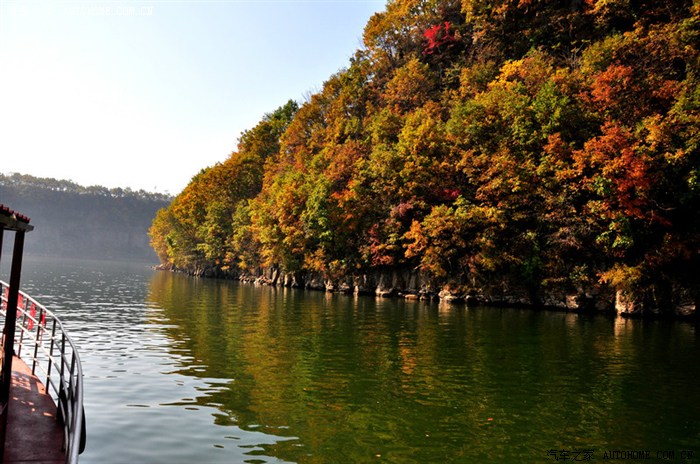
(33, 433)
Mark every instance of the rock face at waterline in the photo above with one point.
(413, 285)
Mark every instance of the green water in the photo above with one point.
(191, 370)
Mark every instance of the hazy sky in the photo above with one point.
(144, 94)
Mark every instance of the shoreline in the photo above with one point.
(416, 286)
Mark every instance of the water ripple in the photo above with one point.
(190, 370)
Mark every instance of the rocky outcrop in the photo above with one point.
(662, 301)
(415, 285)
(628, 304)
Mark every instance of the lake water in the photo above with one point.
(183, 370)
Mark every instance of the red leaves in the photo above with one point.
(611, 85)
(402, 210)
(450, 194)
(617, 168)
(438, 36)
(382, 252)
(630, 93)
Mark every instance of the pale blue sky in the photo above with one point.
(144, 94)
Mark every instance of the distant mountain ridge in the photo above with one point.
(75, 221)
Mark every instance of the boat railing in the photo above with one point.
(41, 338)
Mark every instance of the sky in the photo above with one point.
(145, 94)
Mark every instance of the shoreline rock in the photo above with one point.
(416, 286)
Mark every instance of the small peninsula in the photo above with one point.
(537, 153)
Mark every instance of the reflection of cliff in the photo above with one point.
(318, 367)
(83, 222)
(354, 377)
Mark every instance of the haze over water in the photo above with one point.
(187, 370)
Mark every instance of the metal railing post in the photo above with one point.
(37, 340)
(22, 325)
(53, 340)
(11, 317)
(63, 353)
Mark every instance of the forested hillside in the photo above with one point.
(547, 150)
(83, 222)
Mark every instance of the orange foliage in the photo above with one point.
(617, 158)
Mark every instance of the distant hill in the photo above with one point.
(74, 221)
